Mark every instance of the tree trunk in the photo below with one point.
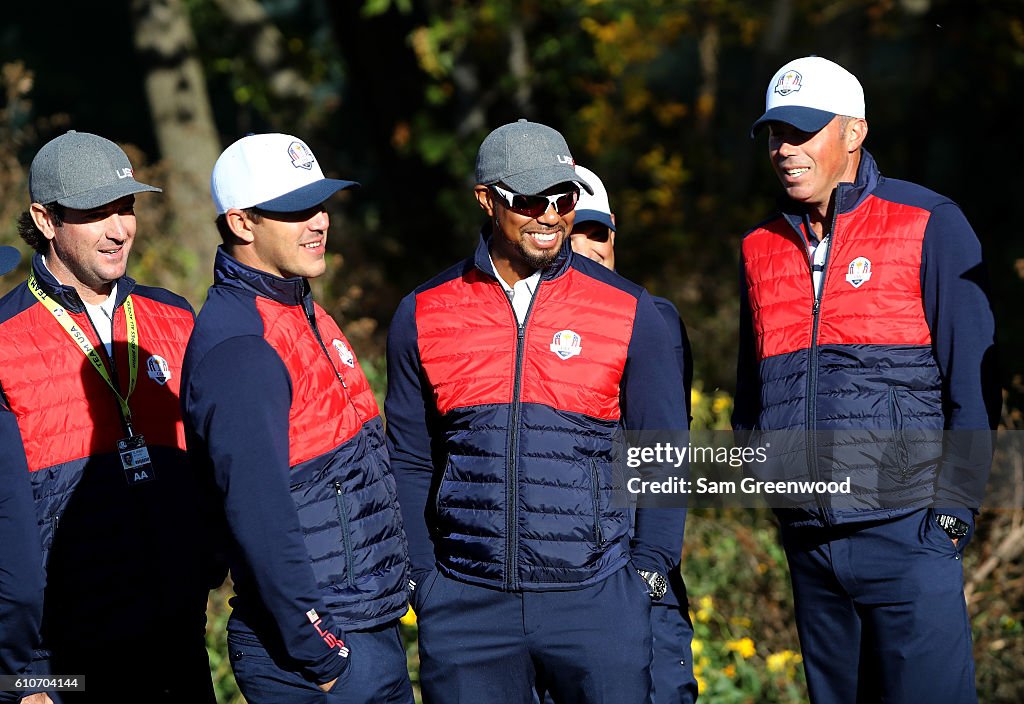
(185, 131)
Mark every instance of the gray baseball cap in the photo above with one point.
(9, 258)
(82, 171)
(528, 157)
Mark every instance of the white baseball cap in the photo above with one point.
(593, 207)
(807, 93)
(274, 172)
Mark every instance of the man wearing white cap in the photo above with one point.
(280, 414)
(865, 326)
(593, 236)
(90, 372)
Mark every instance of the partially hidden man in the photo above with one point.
(280, 413)
(512, 377)
(90, 368)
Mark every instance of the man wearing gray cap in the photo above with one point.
(90, 376)
(512, 379)
(866, 333)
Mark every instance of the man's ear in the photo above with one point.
(483, 199)
(856, 133)
(239, 224)
(43, 220)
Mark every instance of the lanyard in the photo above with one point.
(79, 338)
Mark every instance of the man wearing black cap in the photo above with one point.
(512, 378)
(21, 569)
(90, 372)
(866, 333)
(280, 414)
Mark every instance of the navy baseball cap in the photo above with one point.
(9, 258)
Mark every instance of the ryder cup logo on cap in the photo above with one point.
(273, 172)
(82, 171)
(593, 207)
(807, 93)
(527, 157)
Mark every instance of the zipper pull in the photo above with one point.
(337, 487)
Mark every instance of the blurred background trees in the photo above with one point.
(656, 96)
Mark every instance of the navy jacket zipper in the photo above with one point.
(511, 581)
(812, 362)
(346, 537)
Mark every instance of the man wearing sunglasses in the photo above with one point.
(593, 236)
(512, 379)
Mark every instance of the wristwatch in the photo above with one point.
(954, 527)
(657, 585)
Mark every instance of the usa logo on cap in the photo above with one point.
(302, 158)
(566, 344)
(789, 82)
(859, 271)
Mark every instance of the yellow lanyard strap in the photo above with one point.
(80, 339)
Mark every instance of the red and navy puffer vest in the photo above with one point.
(123, 562)
(857, 367)
(340, 480)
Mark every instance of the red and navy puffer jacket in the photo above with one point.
(124, 564)
(280, 413)
(898, 348)
(504, 437)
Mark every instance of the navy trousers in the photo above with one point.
(377, 672)
(671, 664)
(482, 645)
(880, 612)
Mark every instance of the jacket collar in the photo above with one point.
(66, 295)
(228, 271)
(482, 257)
(848, 195)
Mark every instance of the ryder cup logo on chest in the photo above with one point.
(859, 271)
(344, 353)
(789, 82)
(158, 369)
(566, 344)
(302, 158)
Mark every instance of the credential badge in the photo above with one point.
(789, 82)
(566, 344)
(859, 271)
(345, 353)
(158, 369)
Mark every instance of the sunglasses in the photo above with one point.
(535, 206)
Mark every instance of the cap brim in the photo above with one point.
(535, 181)
(307, 197)
(587, 215)
(804, 119)
(9, 258)
(106, 194)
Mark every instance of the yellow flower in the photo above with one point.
(729, 671)
(778, 662)
(741, 621)
(702, 684)
(721, 404)
(706, 602)
(696, 647)
(409, 619)
(744, 647)
(695, 397)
